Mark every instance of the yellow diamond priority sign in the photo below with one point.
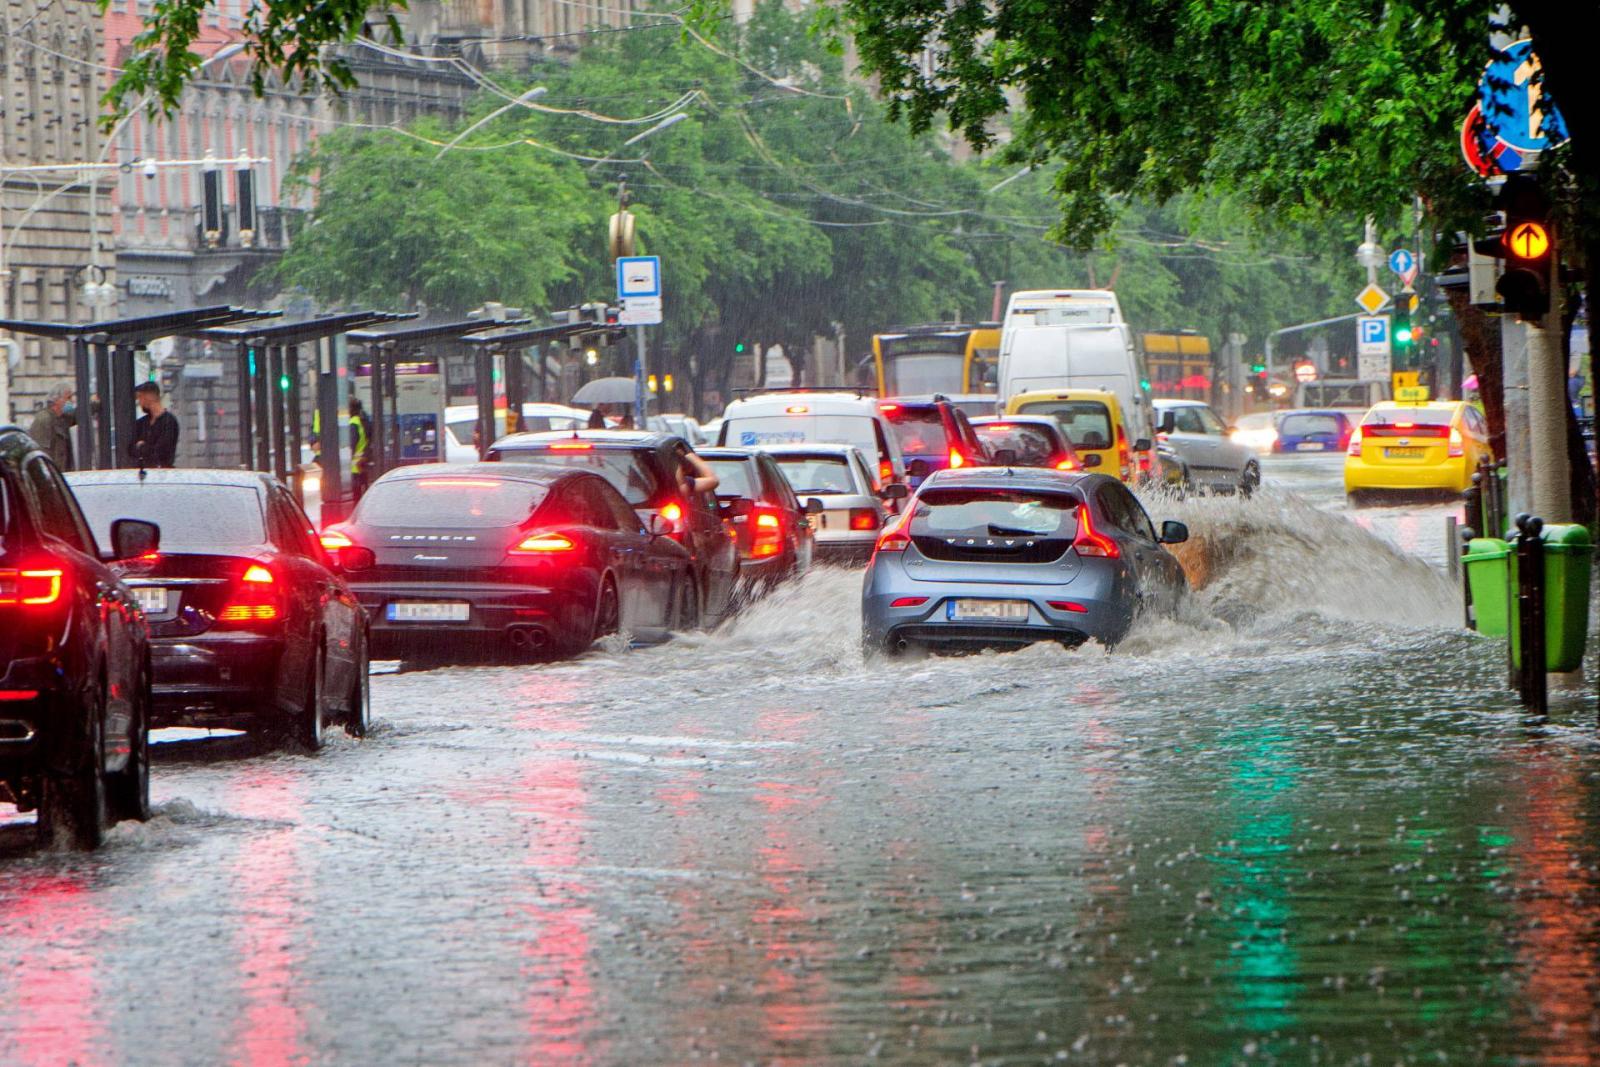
(1372, 299)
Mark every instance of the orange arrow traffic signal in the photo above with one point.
(1527, 240)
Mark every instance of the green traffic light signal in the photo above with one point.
(1258, 368)
(283, 383)
(738, 347)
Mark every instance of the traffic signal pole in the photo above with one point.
(1551, 479)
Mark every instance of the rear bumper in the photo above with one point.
(931, 623)
(845, 546)
(37, 733)
(214, 675)
(492, 612)
(766, 569)
(1453, 474)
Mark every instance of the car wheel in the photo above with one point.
(130, 789)
(358, 720)
(607, 611)
(689, 603)
(1355, 499)
(308, 723)
(74, 804)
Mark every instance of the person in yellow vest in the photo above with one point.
(358, 450)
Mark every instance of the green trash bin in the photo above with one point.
(1568, 557)
(1488, 564)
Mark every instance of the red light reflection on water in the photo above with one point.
(51, 935)
(273, 925)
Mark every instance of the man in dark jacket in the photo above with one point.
(155, 435)
(52, 427)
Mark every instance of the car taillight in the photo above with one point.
(543, 544)
(1354, 447)
(885, 471)
(1068, 605)
(672, 511)
(1091, 542)
(863, 519)
(1066, 465)
(255, 600)
(768, 527)
(908, 602)
(957, 459)
(333, 541)
(31, 587)
(1457, 446)
(894, 538)
(1124, 457)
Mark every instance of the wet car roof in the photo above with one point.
(630, 438)
(506, 472)
(1008, 478)
(173, 476)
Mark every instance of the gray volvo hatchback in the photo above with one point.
(1000, 556)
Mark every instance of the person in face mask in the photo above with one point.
(52, 427)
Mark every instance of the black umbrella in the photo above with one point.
(606, 391)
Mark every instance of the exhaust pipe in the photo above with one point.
(527, 638)
(15, 731)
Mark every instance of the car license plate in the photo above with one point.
(1001, 610)
(1309, 446)
(152, 599)
(421, 611)
(1402, 453)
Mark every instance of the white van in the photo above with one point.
(1062, 307)
(813, 418)
(1060, 358)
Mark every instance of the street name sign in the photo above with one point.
(1372, 299)
(639, 311)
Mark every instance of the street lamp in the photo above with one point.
(666, 123)
(522, 101)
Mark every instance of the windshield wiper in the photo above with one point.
(996, 530)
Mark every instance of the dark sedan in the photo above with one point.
(495, 558)
(1031, 441)
(776, 539)
(250, 626)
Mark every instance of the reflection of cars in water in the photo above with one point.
(74, 657)
(1428, 445)
(854, 504)
(251, 628)
(1313, 431)
(932, 434)
(1006, 556)
(460, 420)
(1256, 431)
(773, 525)
(646, 468)
(1199, 441)
(1092, 420)
(1032, 440)
(505, 557)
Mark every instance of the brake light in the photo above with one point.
(863, 519)
(885, 471)
(258, 612)
(1354, 447)
(1457, 446)
(571, 446)
(1091, 542)
(672, 511)
(887, 408)
(254, 601)
(908, 602)
(957, 459)
(1068, 605)
(797, 409)
(17, 694)
(1066, 465)
(31, 586)
(894, 538)
(543, 544)
(768, 527)
(1124, 457)
(258, 574)
(333, 541)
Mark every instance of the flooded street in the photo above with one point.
(1304, 823)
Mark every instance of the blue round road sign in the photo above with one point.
(1401, 260)
(1516, 116)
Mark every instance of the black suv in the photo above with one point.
(74, 657)
(648, 469)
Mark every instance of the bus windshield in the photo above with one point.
(915, 373)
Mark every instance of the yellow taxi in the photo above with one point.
(1432, 444)
(1092, 420)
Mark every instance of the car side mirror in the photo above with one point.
(659, 525)
(1169, 422)
(815, 506)
(1142, 445)
(1174, 532)
(895, 491)
(1005, 457)
(1091, 460)
(131, 538)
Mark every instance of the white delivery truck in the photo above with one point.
(1062, 307)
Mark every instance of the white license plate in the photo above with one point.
(152, 599)
(1002, 610)
(1309, 446)
(420, 611)
(1402, 453)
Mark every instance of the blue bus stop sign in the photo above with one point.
(1517, 119)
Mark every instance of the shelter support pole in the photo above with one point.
(246, 420)
(483, 373)
(334, 506)
(104, 459)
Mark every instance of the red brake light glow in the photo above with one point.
(1068, 605)
(571, 446)
(908, 602)
(31, 587)
(17, 694)
(259, 575)
(887, 408)
(262, 612)
(797, 409)
(672, 512)
(1066, 465)
(1091, 542)
(885, 471)
(957, 459)
(541, 544)
(768, 521)
(894, 538)
(333, 541)
(863, 519)
(1354, 447)
(254, 600)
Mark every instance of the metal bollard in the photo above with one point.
(1530, 675)
(1464, 537)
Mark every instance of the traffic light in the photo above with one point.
(1258, 368)
(1528, 246)
(738, 348)
(283, 383)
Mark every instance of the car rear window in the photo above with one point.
(817, 475)
(1413, 416)
(858, 430)
(193, 518)
(919, 432)
(733, 478)
(449, 502)
(1309, 425)
(1087, 423)
(624, 468)
(1033, 444)
(990, 513)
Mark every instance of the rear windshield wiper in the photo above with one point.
(1008, 531)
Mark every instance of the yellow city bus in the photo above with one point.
(1178, 364)
(944, 358)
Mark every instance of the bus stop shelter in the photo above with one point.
(508, 344)
(271, 407)
(102, 358)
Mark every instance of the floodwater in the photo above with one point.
(1304, 823)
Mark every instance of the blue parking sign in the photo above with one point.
(1372, 335)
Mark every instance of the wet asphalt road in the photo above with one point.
(1303, 824)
